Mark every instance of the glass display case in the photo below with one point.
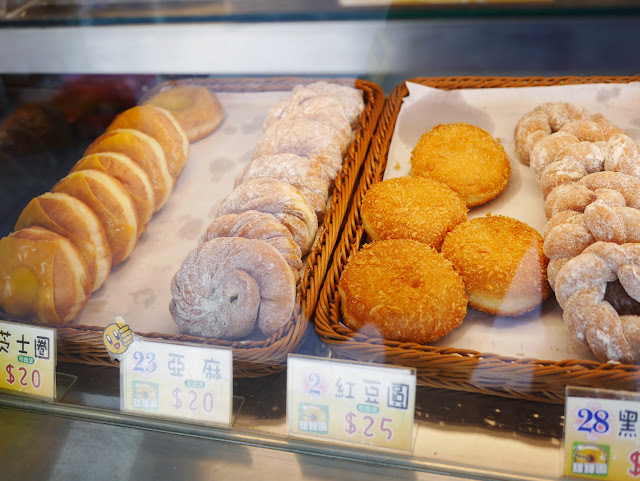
(361, 84)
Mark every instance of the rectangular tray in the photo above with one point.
(452, 368)
(256, 358)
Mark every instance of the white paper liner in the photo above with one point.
(138, 289)
(540, 334)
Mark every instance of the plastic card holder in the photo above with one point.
(351, 402)
(191, 383)
(28, 360)
(601, 434)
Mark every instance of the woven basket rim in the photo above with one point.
(353, 345)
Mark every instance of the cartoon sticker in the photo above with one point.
(117, 337)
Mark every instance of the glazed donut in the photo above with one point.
(304, 137)
(307, 104)
(350, 98)
(402, 290)
(252, 224)
(501, 262)
(160, 124)
(71, 218)
(541, 122)
(132, 177)
(581, 286)
(279, 199)
(43, 277)
(464, 157)
(111, 203)
(227, 285)
(309, 176)
(145, 151)
(196, 108)
(418, 208)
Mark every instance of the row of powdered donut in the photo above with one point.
(562, 143)
(92, 219)
(273, 213)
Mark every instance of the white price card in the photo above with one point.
(601, 434)
(185, 382)
(351, 402)
(28, 360)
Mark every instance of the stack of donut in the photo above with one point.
(66, 241)
(244, 272)
(589, 174)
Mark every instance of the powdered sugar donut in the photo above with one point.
(581, 287)
(257, 225)
(279, 199)
(350, 98)
(304, 137)
(228, 285)
(541, 122)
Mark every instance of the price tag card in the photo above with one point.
(178, 381)
(351, 402)
(28, 360)
(601, 438)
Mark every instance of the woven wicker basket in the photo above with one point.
(451, 368)
(84, 344)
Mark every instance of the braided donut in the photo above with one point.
(589, 313)
(600, 207)
(541, 122)
(227, 285)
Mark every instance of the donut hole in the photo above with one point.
(622, 302)
(415, 282)
(233, 298)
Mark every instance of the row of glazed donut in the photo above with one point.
(66, 241)
(246, 268)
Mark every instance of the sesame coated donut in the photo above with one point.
(417, 208)
(401, 290)
(466, 158)
(501, 262)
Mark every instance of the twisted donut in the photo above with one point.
(279, 199)
(350, 98)
(307, 104)
(581, 290)
(227, 285)
(541, 122)
(600, 207)
(304, 137)
(257, 225)
(309, 176)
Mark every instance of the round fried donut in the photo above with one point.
(417, 208)
(581, 290)
(196, 109)
(228, 285)
(71, 218)
(401, 290)
(43, 277)
(466, 158)
(501, 262)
